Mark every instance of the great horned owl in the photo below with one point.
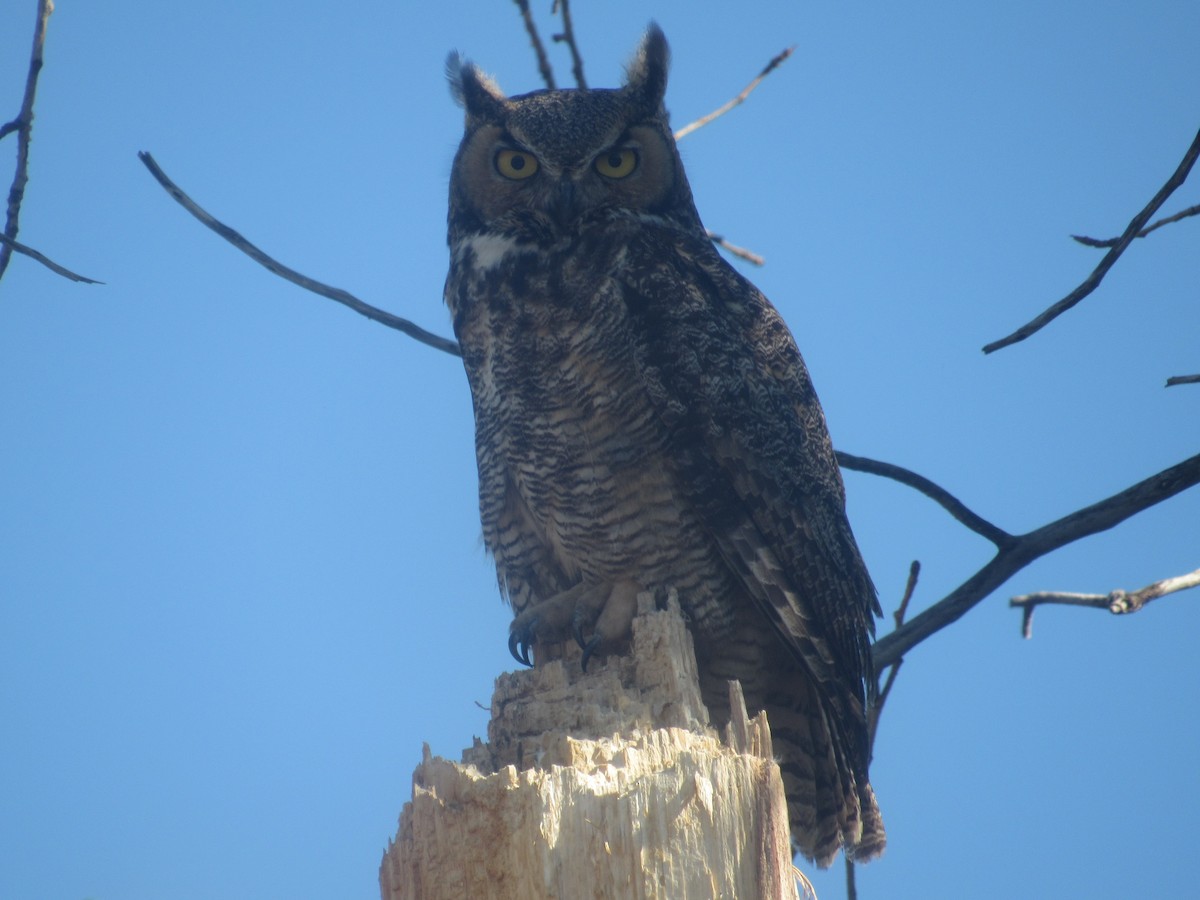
(644, 421)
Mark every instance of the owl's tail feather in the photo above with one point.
(873, 840)
(831, 805)
(829, 808)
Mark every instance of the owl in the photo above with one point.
(644, 421)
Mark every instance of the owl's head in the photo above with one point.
(545, 163)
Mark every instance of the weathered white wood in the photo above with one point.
(606, 784)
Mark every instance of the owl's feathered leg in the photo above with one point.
(605, 610)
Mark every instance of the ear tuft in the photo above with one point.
(474, 91)
(646, 74)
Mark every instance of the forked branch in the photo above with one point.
(22, 126)
(1093, 281)
(567, 36)
(50, 264)
(1024, 549)
(1117, 602)
(1165, 220)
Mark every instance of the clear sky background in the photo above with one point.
(241, 579)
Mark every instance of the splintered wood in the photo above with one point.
(605, 784)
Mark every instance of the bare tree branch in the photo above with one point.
(568, 37)
(344, 297)
(1117, 602)
(1166, 220)
(1025, 548)
(48, 263)
(741, 252)
(739, 99)
(539, 49)
(1183, 379)
(23, 126)
(938, 494)
(1093, 281)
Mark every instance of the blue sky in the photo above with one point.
(241, 579)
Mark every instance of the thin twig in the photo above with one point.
(1167, 220)
(1025, 548)
(1117, 602)
(1093, 281)
(392, 321)
(749, 255)
(738, 100)
(568, 37)
(1183, 379)
(938, 494)
(23, 126)
(48, 263)
(914, 572)
(539, 49)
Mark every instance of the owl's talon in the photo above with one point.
(588, 649)
(603, 611)
(514, 648)
(520, 642)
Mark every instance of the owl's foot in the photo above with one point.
(604, 610)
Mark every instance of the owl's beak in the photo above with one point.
(562, 207)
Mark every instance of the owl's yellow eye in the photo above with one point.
(617, 163)
(516, 164)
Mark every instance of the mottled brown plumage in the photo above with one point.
(644, 421)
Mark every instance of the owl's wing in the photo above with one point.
(752, 452)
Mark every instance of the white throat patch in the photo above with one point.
(488, 250)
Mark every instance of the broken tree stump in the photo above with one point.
(604, 784)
